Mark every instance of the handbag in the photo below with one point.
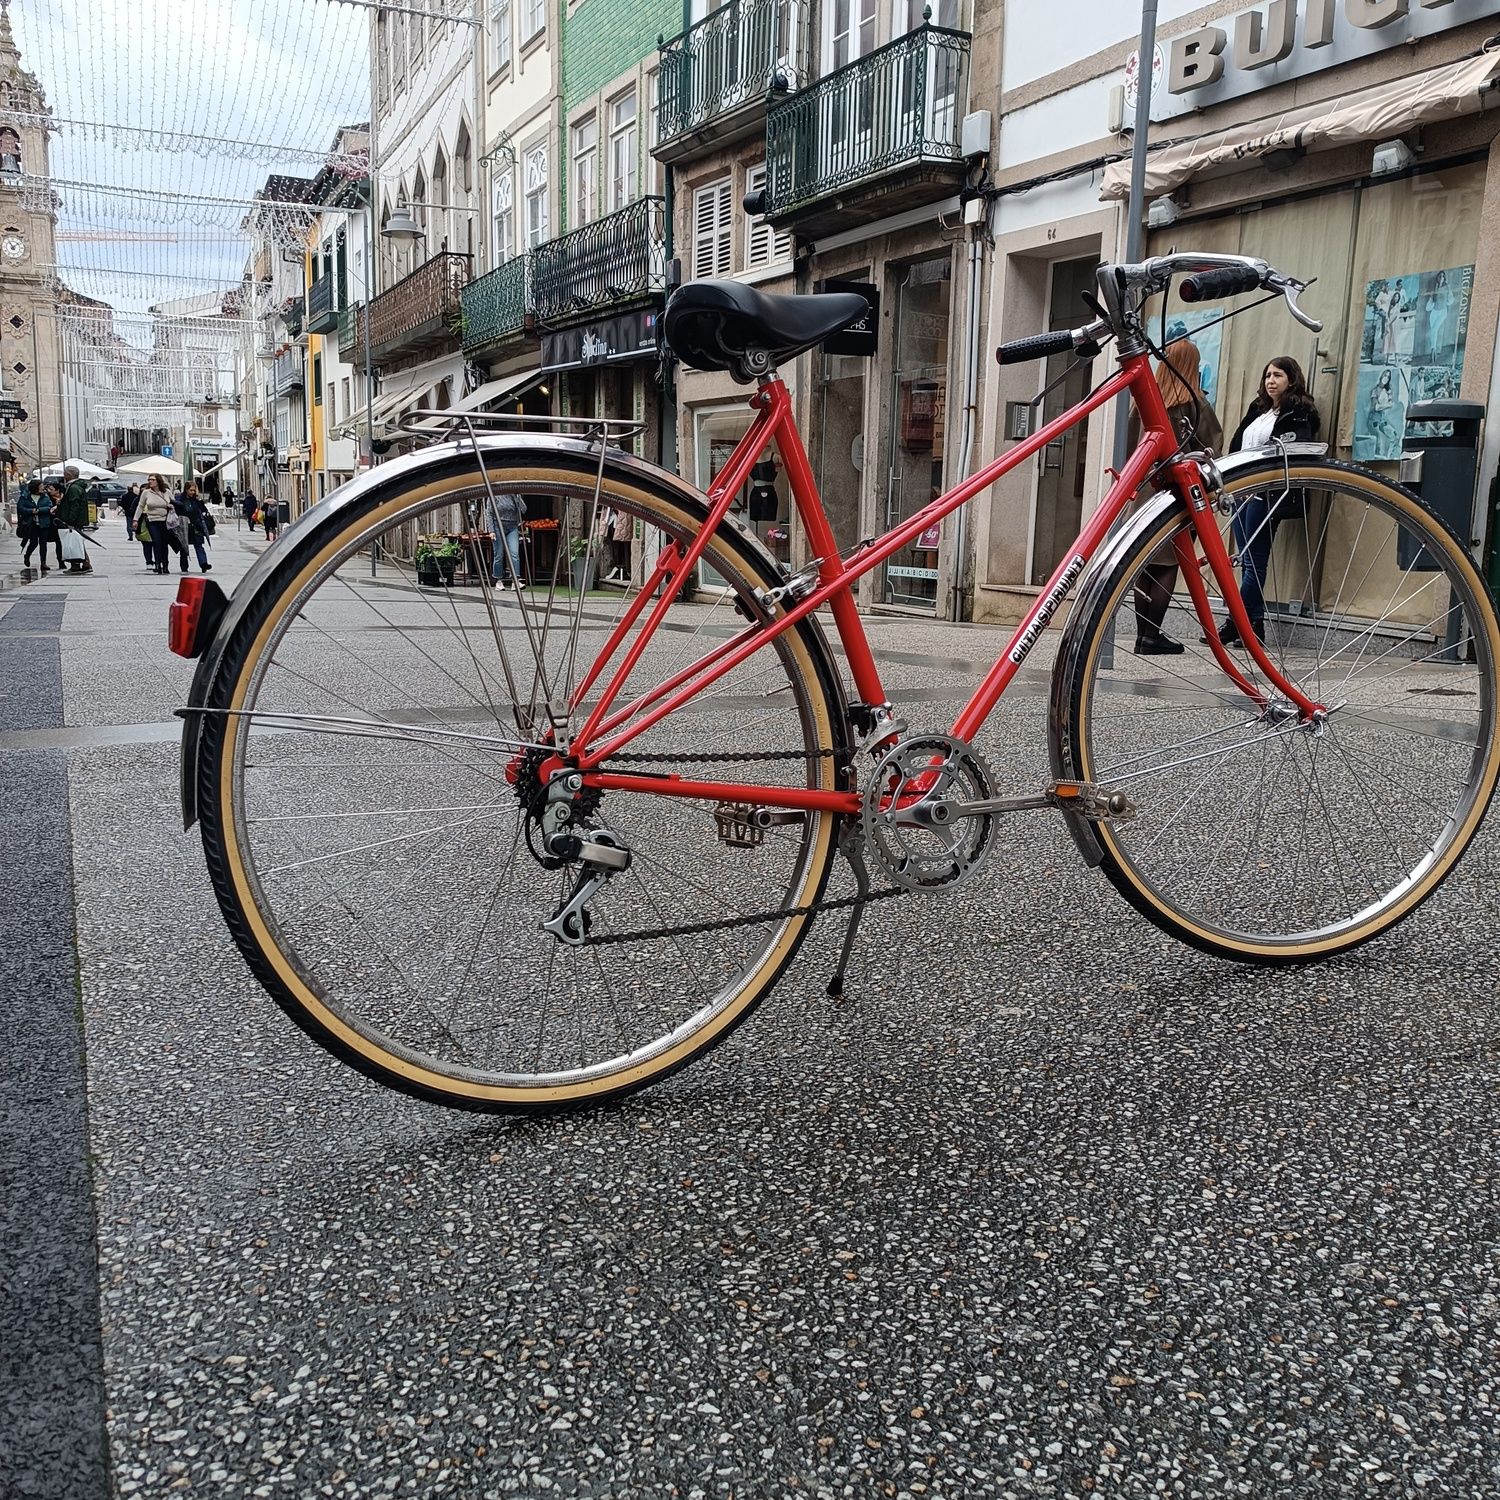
(174, 521)
(142, 530)
(72, 546)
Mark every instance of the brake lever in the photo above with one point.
(1289, 290)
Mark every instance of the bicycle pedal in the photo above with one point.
(1096, 803)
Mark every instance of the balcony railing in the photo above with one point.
(615, 260)
(495, 304)
(291, 316)
(351, 326)
(322, 315)
(286, 373)
(422, 310)
(898, 106)
(728, 59)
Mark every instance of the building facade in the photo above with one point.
(1354, 142)
(30, 339)
(846, 131)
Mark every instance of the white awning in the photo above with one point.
(397, 394)
(490, 391)
(1371, 114)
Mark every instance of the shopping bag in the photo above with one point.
(72, 547)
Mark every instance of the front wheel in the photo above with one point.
(1257, 836)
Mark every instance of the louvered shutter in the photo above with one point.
(763, 245)
(713, 230)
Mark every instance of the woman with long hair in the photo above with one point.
(1282, 412)
(1196, 426)
(156, 506)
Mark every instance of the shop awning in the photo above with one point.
(490, 391)
(396, 395)
(1372, 114)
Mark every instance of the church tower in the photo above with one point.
(30, 339)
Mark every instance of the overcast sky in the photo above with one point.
(278, 76)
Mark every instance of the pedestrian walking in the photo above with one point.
(156, 507)
(248, 507)
(72, 517)
(506, 512)
(198, 526)
(36, 516)
(270, 515)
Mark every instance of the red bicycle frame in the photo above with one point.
(608, 729)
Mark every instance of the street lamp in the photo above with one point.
(401, 227)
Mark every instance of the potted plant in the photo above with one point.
(584, 559)
(436, 558)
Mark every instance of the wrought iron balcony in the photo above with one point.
(421, 312)
(495, 304)
(889, 119)
(715, 76)
(351, 326)
(612, 262)
(322, 315)
(287, 373)
(291, 316)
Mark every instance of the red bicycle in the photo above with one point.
(525, 849)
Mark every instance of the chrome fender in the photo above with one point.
(331, 513)
(1106, 560)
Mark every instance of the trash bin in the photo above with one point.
(1442, 468)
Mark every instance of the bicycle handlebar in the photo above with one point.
(1206, 285)
(1124, 290)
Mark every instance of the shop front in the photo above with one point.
(1368, 168)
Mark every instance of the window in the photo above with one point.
(622, 150)
(347, 403)
(419, 203)
(852, 33)
(536, 196)
(317, 380)
(585, 170)
(333, 402)
(533, 19)
(765, 246)
(502, 208)
(341, 270)
(713, 229)
(440, 200)
(499, 35)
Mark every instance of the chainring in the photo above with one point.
(912, 830)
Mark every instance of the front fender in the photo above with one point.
(1106, 560)
(333, 512)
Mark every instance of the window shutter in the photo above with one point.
(763, 245)
(713, 230)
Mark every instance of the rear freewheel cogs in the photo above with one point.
(913, 820)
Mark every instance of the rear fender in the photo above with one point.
(333, 513)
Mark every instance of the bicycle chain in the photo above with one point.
(723, 924)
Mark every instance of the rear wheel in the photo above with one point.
(371, 794)
(1257, 836)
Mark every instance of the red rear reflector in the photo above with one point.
(187, 610)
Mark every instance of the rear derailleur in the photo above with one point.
(566, 840)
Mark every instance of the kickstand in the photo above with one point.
(854, 853)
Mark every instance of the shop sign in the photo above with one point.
(630, 336)
(1274, 42)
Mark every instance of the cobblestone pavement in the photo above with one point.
(1049, 1206)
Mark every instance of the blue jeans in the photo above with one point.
(1254, 531)
(511, 536)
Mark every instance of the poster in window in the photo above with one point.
(1411, 349)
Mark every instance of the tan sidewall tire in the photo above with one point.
(1116, 863)
(293, 991)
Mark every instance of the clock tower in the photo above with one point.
(30, 339)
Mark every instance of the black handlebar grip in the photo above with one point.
(1230, 282)
(1039, 346)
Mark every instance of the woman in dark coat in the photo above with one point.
(1282, 412)
(36, 519)
(195, 528)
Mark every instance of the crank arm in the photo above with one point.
(1096, 803)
